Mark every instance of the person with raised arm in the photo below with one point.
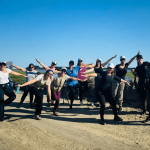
(52, 67)
(72, 84)
(105, 91)
(98, 68)
(118, 87)
(31, 73)
(37, 88)
(5, 88)
(57, 84)
(83, 84)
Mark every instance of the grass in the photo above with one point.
(21, 80)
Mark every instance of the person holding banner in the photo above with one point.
(5, 88)
(31, 73)
(120, 71)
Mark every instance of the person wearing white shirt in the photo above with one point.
(5, 88)
(37, 88)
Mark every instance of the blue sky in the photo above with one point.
(64, 30)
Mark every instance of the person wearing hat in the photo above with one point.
(143, 73)
(105, 91)
(5, 88)
(72, 84)
(118, 87)
(38, 84)
(57, 84)
(31, 73)
(83, 84)
(98, 68)
(52, 67)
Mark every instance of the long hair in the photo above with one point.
(97, 65)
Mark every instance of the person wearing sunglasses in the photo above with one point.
(98, 68)
(142, 71)
(105, 91)
(118, 87)
(72, 84)
(52, 67)
(31, 73)
(57, 84)
(37, 88)
(83, 84)
(5, 88)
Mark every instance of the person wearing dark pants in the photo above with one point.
(5, 88)
(84, 84)
(39, 99)
(105, 91)
(98, 68)
(83, 88)
(72, 84)
(37, 87)
(72, 91)
(143, 72)
(26, 91)
(31, 73)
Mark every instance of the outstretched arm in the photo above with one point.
(133, 58)
(90, 75)
(22, 69)
(104, 64)
(90, 70)
(17, 74)
(29, 82)
(127, 83)
(45, 67)
(72, 78)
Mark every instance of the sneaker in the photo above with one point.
(20, 104)
(92, 104)
(143, 113)
(117, 118)
(1, 119)
(81, 103)
(102, 122)
(31, 105)
(147, 120)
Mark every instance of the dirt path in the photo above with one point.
(72, 130)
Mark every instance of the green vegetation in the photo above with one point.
(18, 79)
(129, 74)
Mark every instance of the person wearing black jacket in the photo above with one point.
(105, 91)
(143, 72)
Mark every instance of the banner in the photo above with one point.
(9, 64)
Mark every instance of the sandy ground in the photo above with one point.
(76, 129)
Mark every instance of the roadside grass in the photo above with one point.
(21, 80)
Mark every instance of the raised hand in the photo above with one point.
(37, 60)
(138, 53)
(128, 84)
(115, 56)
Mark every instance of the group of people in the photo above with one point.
(109, 84)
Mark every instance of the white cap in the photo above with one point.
(54, 62)
(80, 59)
(111, 65)
(122, 57)
(99, 59)
(64, 68)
